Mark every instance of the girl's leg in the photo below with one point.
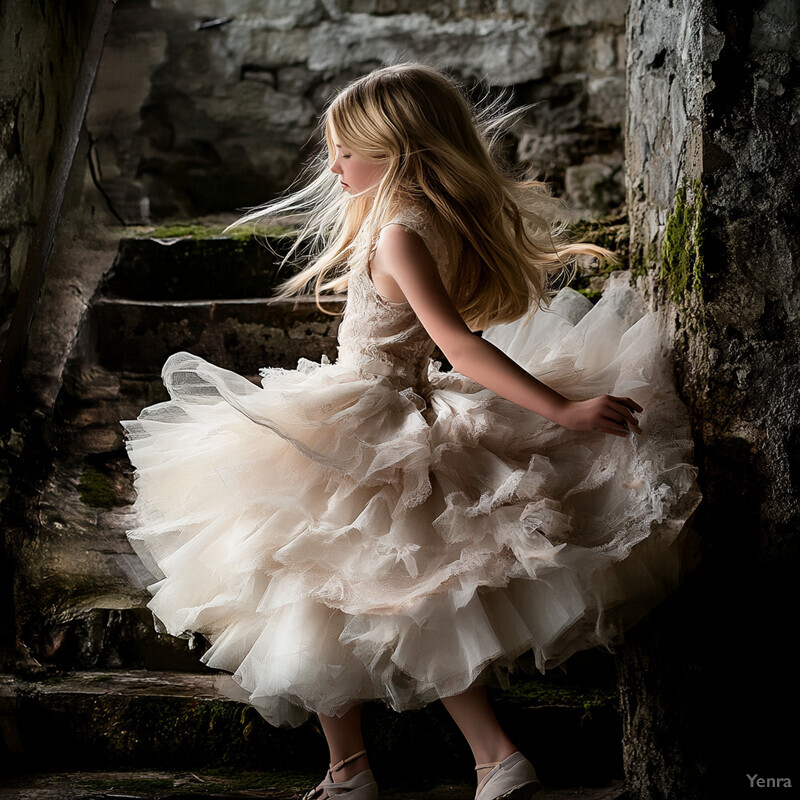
(475, 718)
(344, 738)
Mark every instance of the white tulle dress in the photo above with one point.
(376, 528)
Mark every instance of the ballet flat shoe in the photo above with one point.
(513, 778)
(361, 786)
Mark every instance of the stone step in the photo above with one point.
(243, 785)
(167, 720)
(147, 268)
(137, 336)
(93, 401)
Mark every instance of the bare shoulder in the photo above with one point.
(404, 266)
(399, 239)
(400, 247)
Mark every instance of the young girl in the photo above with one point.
(378, 528)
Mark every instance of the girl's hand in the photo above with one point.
(607, 414)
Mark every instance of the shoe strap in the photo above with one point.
(493, 763)
(339, 764)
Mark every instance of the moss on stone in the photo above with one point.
(593, 294)
(179, 231)
(682, 249)
(542, 693)
(51, 680)
(698, 235)
(189, 230)
(610, 233)
(641, 263)
(96, 490)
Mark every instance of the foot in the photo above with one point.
(483, 771)
(342, 771)
(513, 777)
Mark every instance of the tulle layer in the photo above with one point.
(338, 540)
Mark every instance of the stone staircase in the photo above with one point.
(102, 689)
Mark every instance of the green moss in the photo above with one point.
(544, 693)
(611, 233)
(593, 294)
(698, 235)
(682, 250)
(52, 680)
(96, 490)
(195, 231)
(643, 262)
(179, 231)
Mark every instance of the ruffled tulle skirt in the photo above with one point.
(338, 540)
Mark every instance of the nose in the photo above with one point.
(336, 167)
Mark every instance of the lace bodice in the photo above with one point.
(383, 337)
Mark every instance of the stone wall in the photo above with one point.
(205, 107)
(713, 148)
(41, 45)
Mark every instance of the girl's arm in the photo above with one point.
(403, 266)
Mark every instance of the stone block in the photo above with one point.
(594, 187)
(503, 52)
(280, 14)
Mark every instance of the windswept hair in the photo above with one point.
(509, 235)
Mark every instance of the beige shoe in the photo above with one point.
(360, 787)
(513, 778)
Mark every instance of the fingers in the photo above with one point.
(624, 413)
(628, 402)
(616, 416)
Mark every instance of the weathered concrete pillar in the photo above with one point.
(713, 159)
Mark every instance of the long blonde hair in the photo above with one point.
(509, 234)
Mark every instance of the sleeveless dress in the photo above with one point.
(376, 528)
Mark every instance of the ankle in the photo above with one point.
(493, 755)
(352, 765)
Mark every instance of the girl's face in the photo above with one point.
(355, 174)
